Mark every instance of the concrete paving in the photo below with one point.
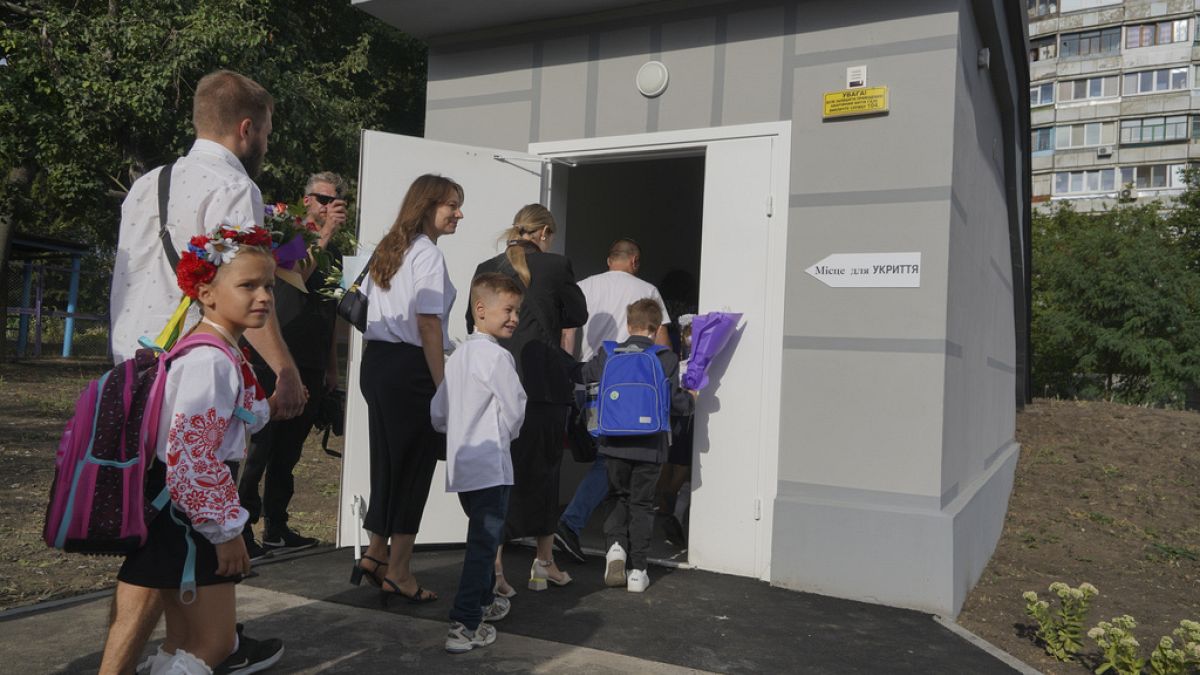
(688, 621)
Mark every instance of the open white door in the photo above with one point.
(732, 429)
(495, 190)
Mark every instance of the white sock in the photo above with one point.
(183, 663)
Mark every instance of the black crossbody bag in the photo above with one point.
(353, 305)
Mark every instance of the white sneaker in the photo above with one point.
(638, 581)
(614, 568)
(460, 640)
(497, 610)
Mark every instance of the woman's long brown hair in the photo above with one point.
(529, 219)
(419, 206)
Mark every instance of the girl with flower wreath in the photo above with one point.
(194, 552)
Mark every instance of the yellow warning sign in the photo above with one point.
(852, 102)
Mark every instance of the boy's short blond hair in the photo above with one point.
(492, 284)
(644, 315)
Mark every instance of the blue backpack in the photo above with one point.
(634, 398)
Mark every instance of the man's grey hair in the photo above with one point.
(338, 183)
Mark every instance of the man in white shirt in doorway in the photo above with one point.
(608, 296)
(211, 185)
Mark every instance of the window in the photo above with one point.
(1041, 7)
(1093, 42)
(1081, 182)
(1161, 33)
(1155, 129)
(1154, 176)
(1092, 87)
(1043, 139)
(1076, 5)
(1083, 135)
(1041, 49)
(1149, 81)
(1042, 94)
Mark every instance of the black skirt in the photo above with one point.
(536, 457)
(404, 448)
(160, 563)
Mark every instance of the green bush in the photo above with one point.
(1116, 307)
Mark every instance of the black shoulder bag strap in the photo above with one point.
(164, 193)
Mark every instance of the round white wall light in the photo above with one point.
(652, 78)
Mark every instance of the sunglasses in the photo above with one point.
(325, 200)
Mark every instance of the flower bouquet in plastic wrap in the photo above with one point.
(711, 333)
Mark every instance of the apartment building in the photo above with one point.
(1114, 105)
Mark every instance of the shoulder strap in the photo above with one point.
(201, 339)
(610, 347)
(198, 339)
(366, 268)
(164, 194)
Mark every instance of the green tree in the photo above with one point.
(97, 93)
(1116, 306)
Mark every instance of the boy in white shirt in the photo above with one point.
(480, 406)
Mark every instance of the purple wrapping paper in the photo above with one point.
(292, 250)
(710, 334)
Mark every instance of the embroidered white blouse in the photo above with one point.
(480, 406)
(198, 433)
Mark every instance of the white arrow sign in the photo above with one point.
(869, 270)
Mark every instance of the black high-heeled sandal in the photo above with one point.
(420, 597)
(373, 576)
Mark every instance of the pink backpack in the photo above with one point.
(97, 500)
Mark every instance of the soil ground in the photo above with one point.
(1107, 494)
(36, 399)
(1104, 493)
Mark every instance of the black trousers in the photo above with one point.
(274, 452)
(631, 522)
(537, 457)
(396, 383)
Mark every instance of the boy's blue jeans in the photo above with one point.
(591, 491)
(486, 510)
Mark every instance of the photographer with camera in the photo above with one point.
(307, 321)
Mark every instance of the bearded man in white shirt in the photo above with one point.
(211, 185)
(608, 296)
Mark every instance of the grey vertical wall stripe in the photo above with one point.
(936, 193)
(535, 113)
(654, 105)
(932, 44)
(518, 96)
(1001, 366)
(1000, 273)
(593, 86)
(789, 75)
(860, 344)
(718, 94)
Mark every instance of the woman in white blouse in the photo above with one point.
(409, 294)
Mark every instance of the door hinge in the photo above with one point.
(770, 205)
(758, 509)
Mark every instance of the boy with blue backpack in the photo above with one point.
(639, 392)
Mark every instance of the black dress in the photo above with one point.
(552, 302)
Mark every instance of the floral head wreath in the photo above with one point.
(204, 253)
